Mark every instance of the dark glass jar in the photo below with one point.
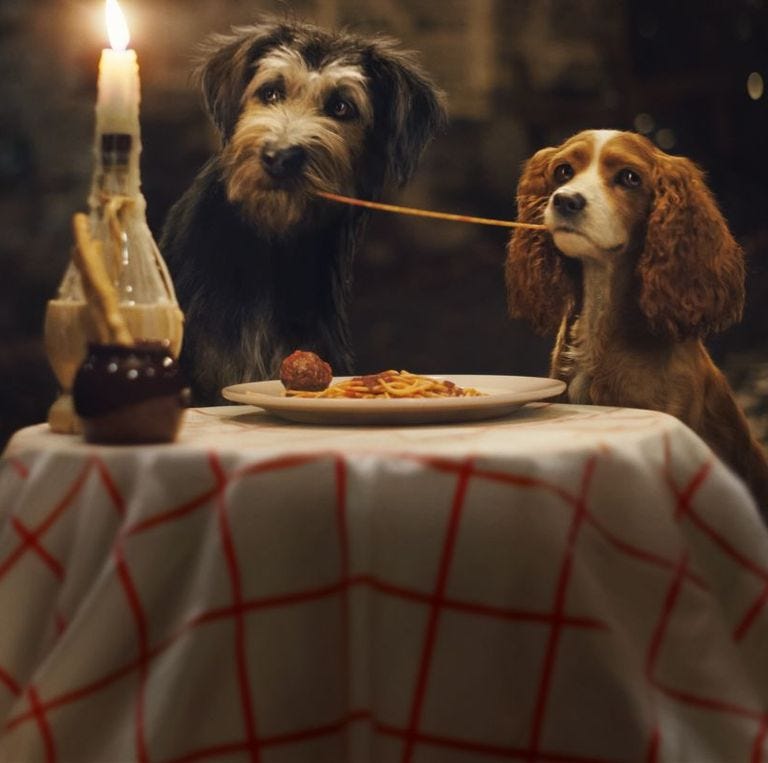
(130, 393)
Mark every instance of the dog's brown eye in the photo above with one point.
(563, 173)
(270, 94)
(338, 108)
(628, 178)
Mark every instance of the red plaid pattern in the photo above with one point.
(570, 585)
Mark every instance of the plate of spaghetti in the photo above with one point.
(398, 397)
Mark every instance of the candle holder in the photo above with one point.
(117, 220)
(132, 260)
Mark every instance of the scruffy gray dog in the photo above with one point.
(262, 265)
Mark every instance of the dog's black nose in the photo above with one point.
(568, 203)
(283, 163)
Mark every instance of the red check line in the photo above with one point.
(553, 642)
(751, 615)
(642, 555)
(236, 586)
(529, 482)
(80, 693)
(212, 615)
(173, 514)
(463, 745)
(673, 592)
(498, 751)
(284, 600)
(42, 723)
(515, 480)
(206, 496)
(111, 487)
(658, 637)
(734, 553)
(618, 543)
(48, 522)
(140, 622)
(685, 497)
(653, 746)
(10, 682)
(668, 607)
(31, 542)
(711, 704)
(727, 547)
(446, 558)
(60, 622)
(721, 542)
(315, 732)
(254, 605)
(19, 467)
(512, 615)
(343, 533)
(475, 608)
(757, 747)
(276, 464)
(341, 516)
(391, 590)
(216, 752)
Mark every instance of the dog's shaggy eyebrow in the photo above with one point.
(285, 60)
(316, 55)
(279, 58)
(274, 79)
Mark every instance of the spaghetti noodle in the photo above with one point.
(427, 213)
(389, 384)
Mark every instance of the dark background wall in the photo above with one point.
(519, 74)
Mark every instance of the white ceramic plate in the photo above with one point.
(504, 394)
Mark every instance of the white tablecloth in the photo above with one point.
(566, 584)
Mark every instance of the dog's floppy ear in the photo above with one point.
(540, 284)
(691, 269)
(227, 66)
(408, 109)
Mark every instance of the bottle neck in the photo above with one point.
(114, 194)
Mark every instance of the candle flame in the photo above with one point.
(117, 28)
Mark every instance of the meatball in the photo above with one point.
(305, 371)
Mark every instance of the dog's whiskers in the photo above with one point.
(427, 213)
(329, 160)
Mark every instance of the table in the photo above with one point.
(570, 584)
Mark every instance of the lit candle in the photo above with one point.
(117, 107)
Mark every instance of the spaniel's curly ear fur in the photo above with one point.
(691, 269)
(540, 286)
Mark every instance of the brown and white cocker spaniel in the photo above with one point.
(636, 267)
